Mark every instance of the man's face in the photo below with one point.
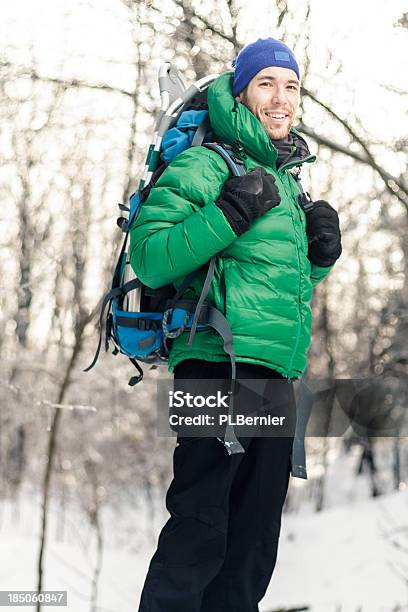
(273, 96)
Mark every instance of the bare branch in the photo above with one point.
(208, 25)
(233, 11)
(65, 406)
(393, 89)
(35, 76)
(282, 7)
(393, 184)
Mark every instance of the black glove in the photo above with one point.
(323, 232)
(245, 198)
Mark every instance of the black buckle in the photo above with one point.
(305, 201)
(146, 324)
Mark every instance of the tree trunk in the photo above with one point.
(52, 447)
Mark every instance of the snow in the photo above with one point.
(340, 556)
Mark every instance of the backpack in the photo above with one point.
(140, 322)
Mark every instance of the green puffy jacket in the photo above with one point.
(263, 279)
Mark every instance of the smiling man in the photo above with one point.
(273, 97)
(218, 549)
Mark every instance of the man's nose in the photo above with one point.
(279, 95)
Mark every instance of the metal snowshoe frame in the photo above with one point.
(174, 96)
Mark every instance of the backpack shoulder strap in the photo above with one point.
(237, 168)
(201, 131)
(304, 199)
(235, 165)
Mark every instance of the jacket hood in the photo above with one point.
(234, 123)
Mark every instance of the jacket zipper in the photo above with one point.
(299, 326)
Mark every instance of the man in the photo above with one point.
(218, 549)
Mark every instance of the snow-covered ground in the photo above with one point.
(342, 556)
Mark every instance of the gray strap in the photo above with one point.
(203, 295)
(303, 410)
(184, 285)
(200, 132)
(217, 321)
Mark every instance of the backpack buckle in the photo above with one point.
(305, 201)
(165, 322)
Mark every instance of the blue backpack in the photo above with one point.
(138, 321)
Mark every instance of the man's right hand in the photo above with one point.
(245, 198)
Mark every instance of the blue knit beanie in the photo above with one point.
(261, 54)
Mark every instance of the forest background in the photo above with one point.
(79, 93)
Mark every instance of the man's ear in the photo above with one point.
(238, 98)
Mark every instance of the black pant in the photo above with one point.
(217, 551)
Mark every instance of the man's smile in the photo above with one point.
(277, 116)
